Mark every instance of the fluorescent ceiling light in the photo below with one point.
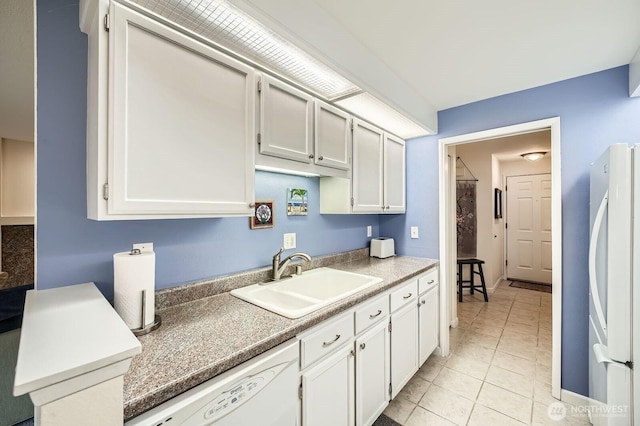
(376, 111)
(231, 28)
(226, 25)
(533, 156)
(286, 171)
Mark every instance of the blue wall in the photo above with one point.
(72, 249)
(595, 111)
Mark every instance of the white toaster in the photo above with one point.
(382, 247)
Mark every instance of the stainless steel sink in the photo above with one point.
(302, 294)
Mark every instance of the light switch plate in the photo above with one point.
(290, 240)
(414, 232)
(143, 247)
(369, 231)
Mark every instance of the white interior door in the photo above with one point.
(529, 228)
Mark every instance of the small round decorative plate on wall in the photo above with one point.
(263, 215)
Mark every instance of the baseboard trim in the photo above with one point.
(574, 398)
(586, 406)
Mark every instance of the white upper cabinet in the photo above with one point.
(394, 175)
(180, 124)
(367, 178)
(286, 121)
(301, 134)
(332, 136)
(378, 180)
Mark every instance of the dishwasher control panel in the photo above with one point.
(238, 394)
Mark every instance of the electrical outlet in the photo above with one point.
(414, 232)
(369, 231)
(143, 247)
(290, 240)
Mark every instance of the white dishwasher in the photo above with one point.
(262, 391)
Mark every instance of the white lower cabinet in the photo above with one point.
(354, 364)
(428, 313)
(328, 391)
(404, 346)
(372, 374)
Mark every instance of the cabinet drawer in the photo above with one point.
(371, 313)
(324, 340)
(428, 281)
(405, 293)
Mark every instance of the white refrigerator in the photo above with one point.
(614, 287)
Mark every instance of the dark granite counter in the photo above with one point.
(204, 334)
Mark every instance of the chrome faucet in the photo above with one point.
(280, 266)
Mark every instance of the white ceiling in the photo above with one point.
(16, 70)
(511, 148)
(453, 52)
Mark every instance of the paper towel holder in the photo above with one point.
(149, 328)
(156, 319)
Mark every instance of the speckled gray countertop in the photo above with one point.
(202, 338)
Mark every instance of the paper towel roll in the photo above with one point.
(133, 273)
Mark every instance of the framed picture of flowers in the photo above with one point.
(263, 215)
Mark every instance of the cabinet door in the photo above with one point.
(328, 391)
(404, 346)
(428, 313)
(367, 168)
(181, 121)
(332, 137)
(394, 175)
(372, 374)
(286, 115)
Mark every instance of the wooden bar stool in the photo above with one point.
(482, 288)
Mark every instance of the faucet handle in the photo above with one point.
(277, 255)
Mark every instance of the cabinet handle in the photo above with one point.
(423, 302)
(430, 281)
(321, 158)
(310, 155)
(362, 346)
(407, 296)
(331, 342)
(419, 304)
(252, 205)
(387, 207)
(375, 315)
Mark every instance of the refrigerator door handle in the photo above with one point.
(593, 244)
(602, 354)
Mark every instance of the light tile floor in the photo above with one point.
(498, 371)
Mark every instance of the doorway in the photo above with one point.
(447, 235)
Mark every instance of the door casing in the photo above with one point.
(447, 230)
